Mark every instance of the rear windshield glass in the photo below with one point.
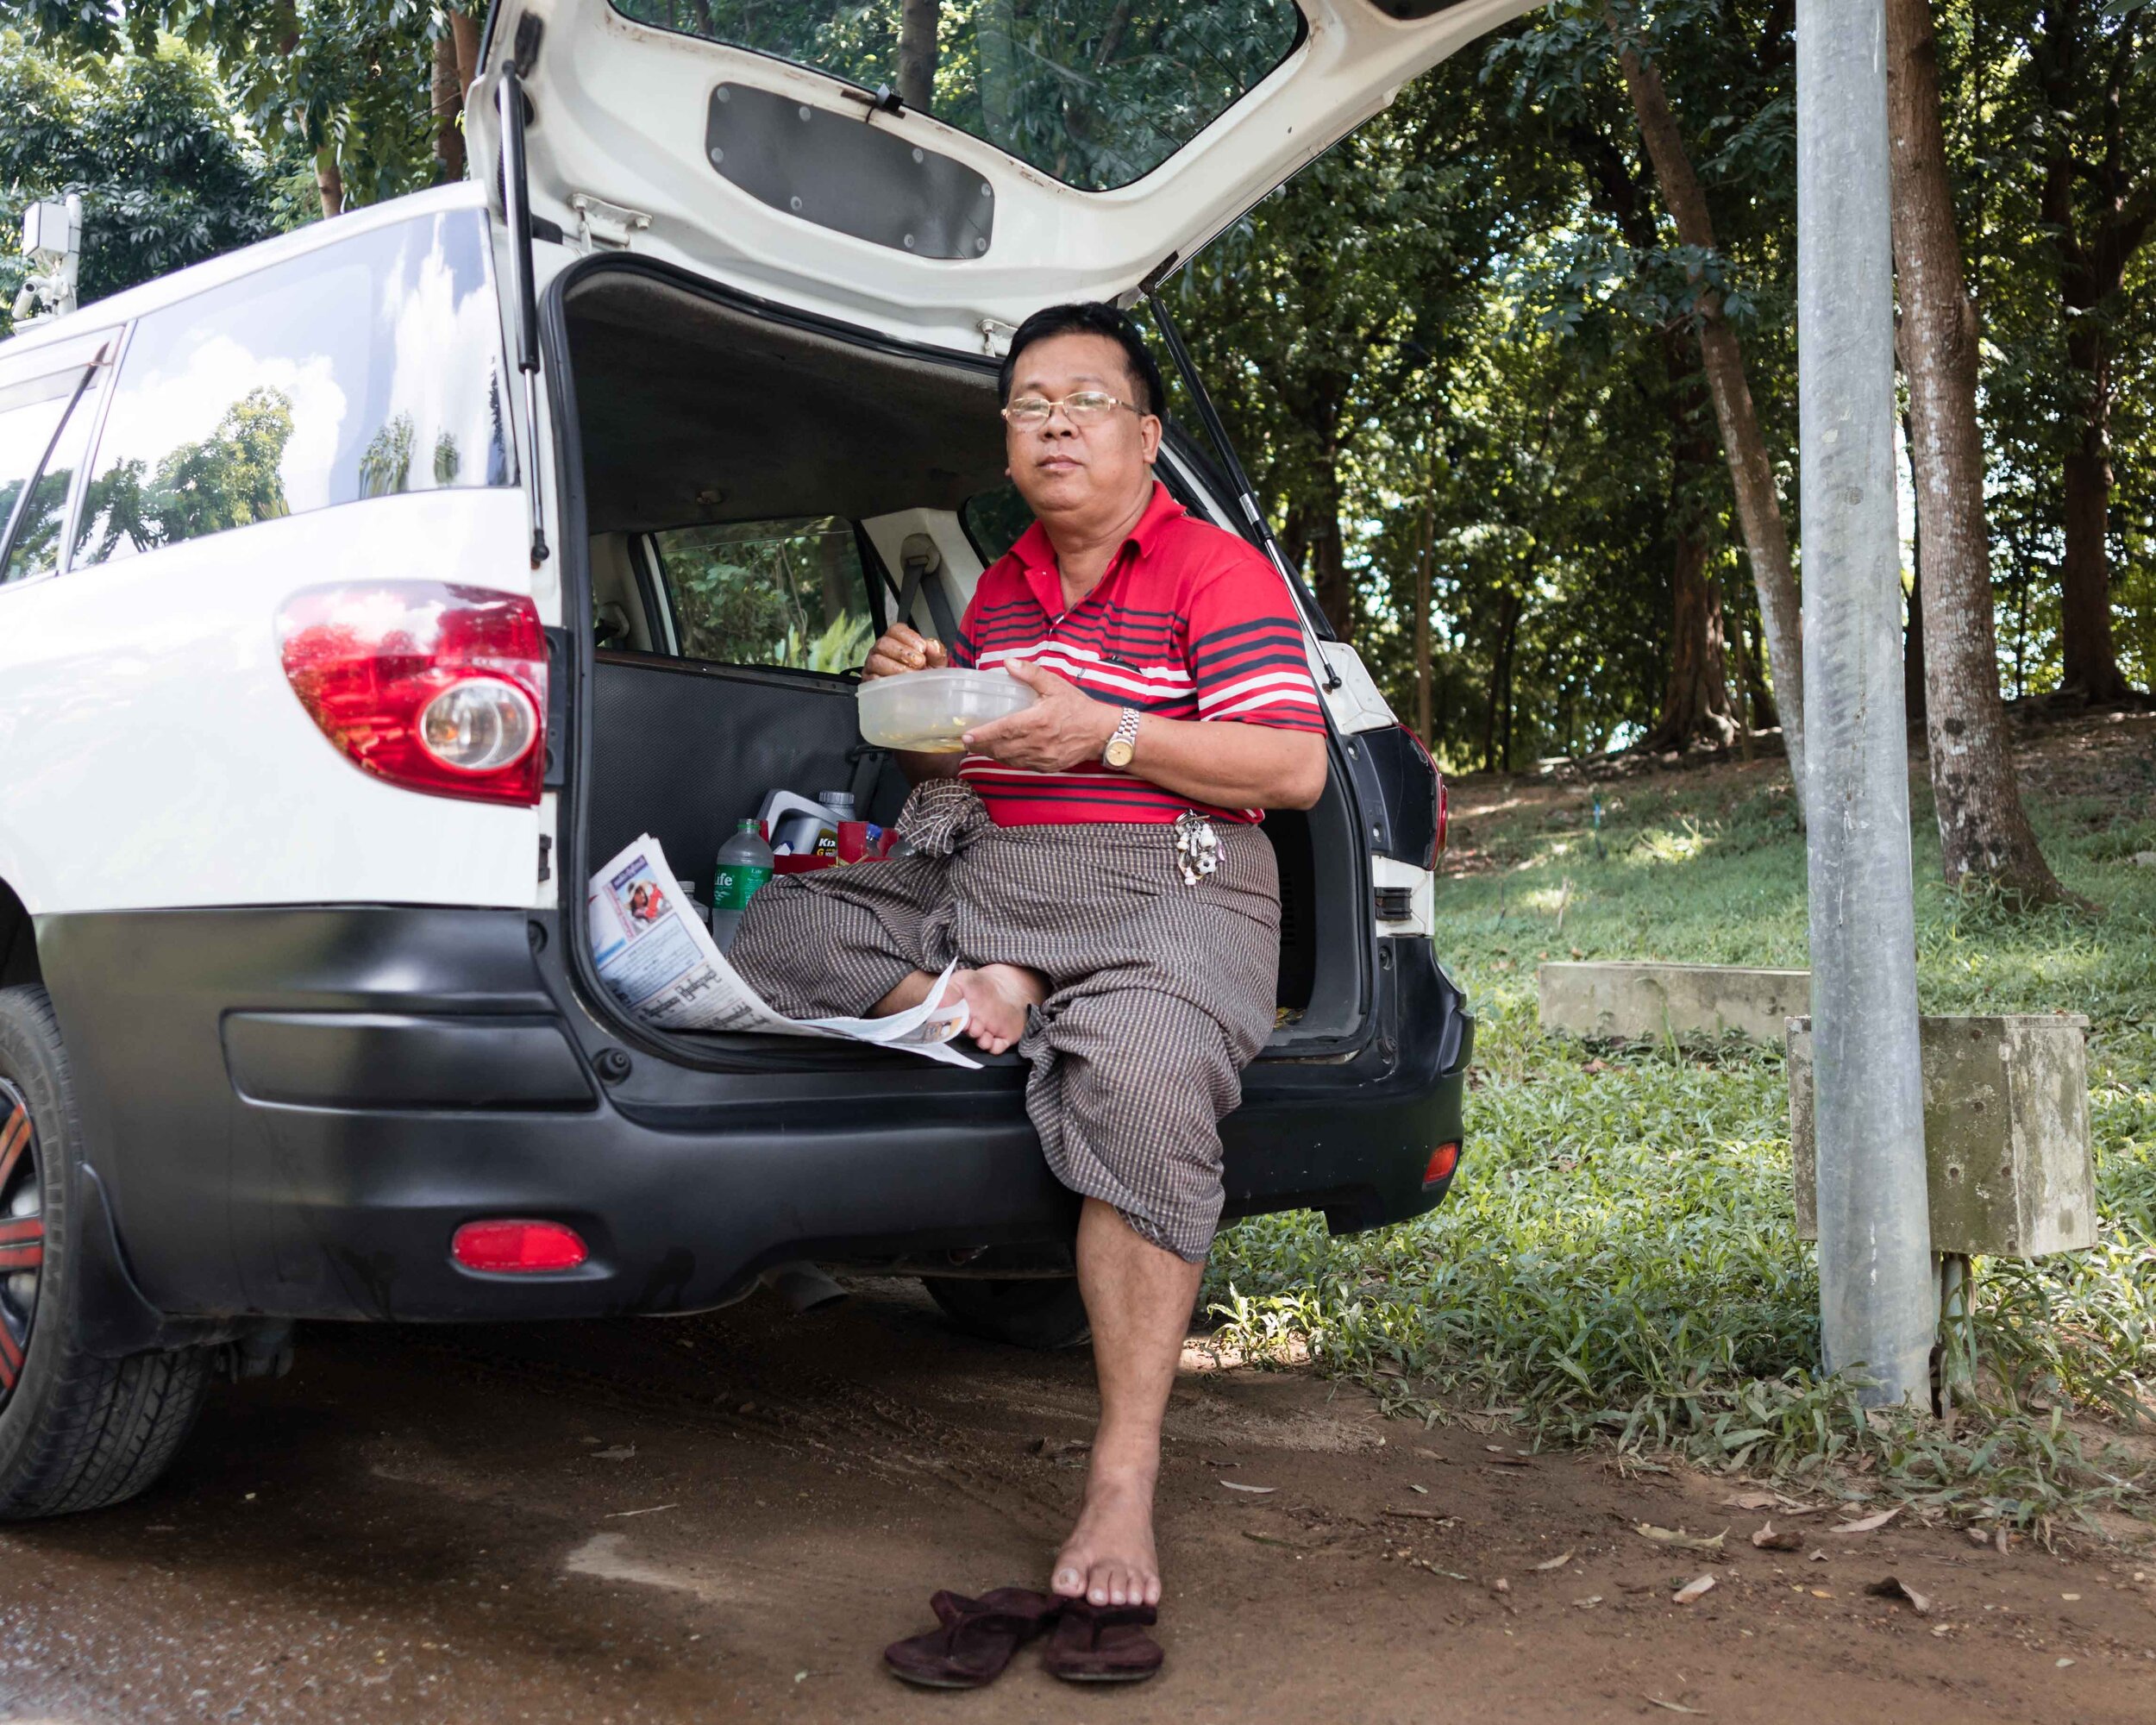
(768, 593)
(1096, 92)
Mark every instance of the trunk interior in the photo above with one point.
(756, 494)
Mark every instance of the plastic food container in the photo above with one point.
(925, 712)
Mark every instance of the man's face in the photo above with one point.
(1066, 469)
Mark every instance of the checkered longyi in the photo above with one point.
(1159, 993)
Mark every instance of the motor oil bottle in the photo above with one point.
(744, 864)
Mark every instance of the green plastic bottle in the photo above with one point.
(743, 865)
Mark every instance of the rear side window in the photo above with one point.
(993, 520)
(29, 415)
(371, 366)
(35, 549)
(768, 593)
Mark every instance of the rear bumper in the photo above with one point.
(291, 1111)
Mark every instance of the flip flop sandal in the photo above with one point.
(976, 1641)
(1103, 1644)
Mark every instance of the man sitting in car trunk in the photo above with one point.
(1094, 863)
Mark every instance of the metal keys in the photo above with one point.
(1197, 846)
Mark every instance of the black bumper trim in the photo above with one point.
(306, 1183)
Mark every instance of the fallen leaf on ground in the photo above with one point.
(1420, 1490)
(1692, 1589)
(1590, 1603)
(619, 1452)
(1557, 1562)
(1254, 1491)
(1771, 1539)
(618, 1514)
(1754, 1500)
(1978, 1536)
(1817, 1557)
(1678, 1537)
(1671, 1707)
(1895, 1587)
(1940, 1628)
(1507, 1461)
(1428, 1455)
(1822, 1593)
(1500, 1585)
(1870, 1523)
(1419, 1514)
(1269, 1539)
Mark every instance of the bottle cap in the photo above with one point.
(747, 824)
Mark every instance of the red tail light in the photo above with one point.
(512, 1248)
(437, 688)
(1443, 1160)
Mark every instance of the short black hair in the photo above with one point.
(1090, 317)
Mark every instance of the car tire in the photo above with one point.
(1043, 1313)
(77, 1432)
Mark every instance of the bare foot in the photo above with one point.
(1108, 1559)
(996, 996)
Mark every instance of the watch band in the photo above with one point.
(1122, 741)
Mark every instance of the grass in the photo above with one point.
(1618, 1259)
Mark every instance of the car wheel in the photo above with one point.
(77, 1432)
(1038, 1311)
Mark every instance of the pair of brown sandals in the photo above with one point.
(976, 1638)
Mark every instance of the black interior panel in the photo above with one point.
(683, 751)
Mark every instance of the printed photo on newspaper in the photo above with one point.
(654, 953)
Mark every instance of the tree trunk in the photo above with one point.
(2093, 255)
(2090, 662)
(916, 54)
(1496, 741)
(449, 109)
(1423, 668)
(1328, 549)
(1913, 630)
(329, 180)
(1983, 835)
(1695, 697)
(464, 32)
(1695, 700)
(1758, 503)
(1912, 644)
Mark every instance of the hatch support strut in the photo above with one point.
(509, 97)
(1245, 494)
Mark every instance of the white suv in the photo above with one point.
(363, 589)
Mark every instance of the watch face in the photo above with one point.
(1120, 753)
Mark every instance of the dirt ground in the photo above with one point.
(726, 1517)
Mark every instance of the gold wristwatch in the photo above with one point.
(1123, 744)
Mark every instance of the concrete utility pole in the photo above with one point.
(1878, 1308)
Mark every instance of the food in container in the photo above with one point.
(926, 713)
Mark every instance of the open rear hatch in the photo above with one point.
(828, 155)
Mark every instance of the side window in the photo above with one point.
(993, 520)
(369, 367)
(27, 421)
(769, 592)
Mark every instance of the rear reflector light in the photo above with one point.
(1443, 1160)
(511, 1248)
(434, 688)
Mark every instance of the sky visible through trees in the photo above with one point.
(1466, 355)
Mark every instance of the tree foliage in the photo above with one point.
(168, 176)
(1459, 354)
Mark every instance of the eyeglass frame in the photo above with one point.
(1061, 401)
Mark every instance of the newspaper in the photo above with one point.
(654, 951)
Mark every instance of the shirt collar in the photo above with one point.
(1036, 553)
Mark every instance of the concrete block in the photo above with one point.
(1628, 1001)
(2006, 1133)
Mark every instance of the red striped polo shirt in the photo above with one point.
(1189, 623)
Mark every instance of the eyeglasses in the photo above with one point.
(1082, 407)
